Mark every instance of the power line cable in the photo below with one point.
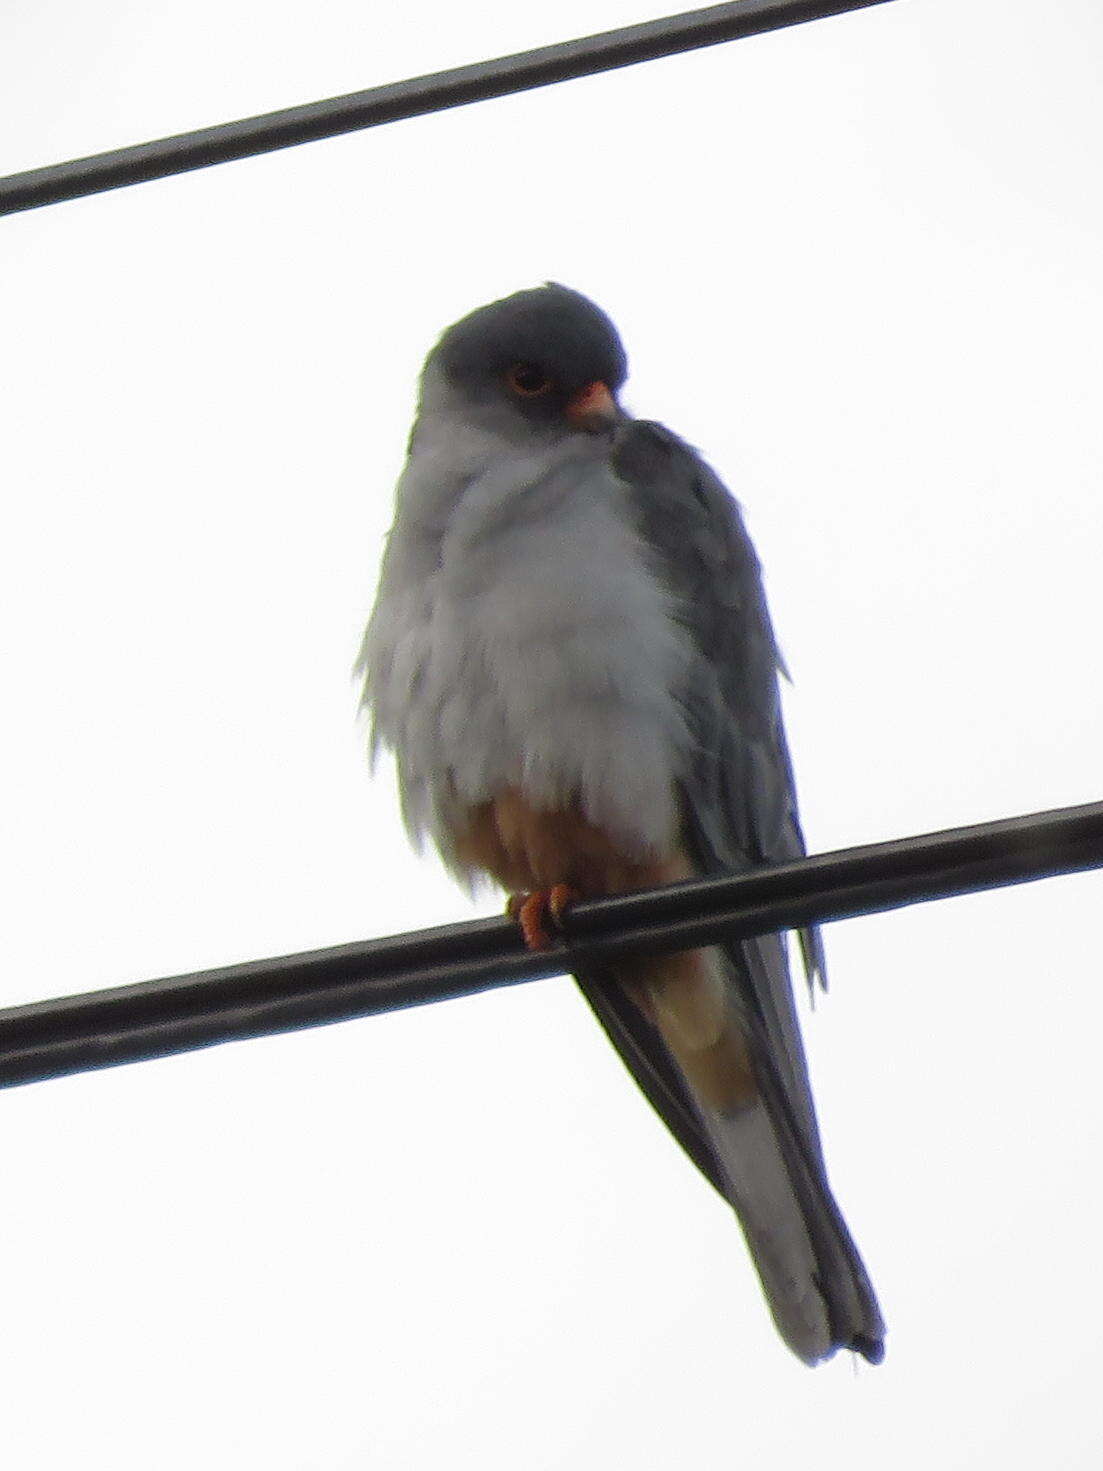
(48, 1039)
(412, 98)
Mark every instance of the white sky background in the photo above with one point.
(858, 263)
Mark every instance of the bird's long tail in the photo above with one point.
(766, 1150)
(814, 1280)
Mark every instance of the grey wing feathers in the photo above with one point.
(739, 809)
(740, 804)
(742, 780)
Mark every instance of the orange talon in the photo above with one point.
(531, 917)
(559, 901)
(540, 915)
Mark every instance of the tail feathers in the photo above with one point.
(733, 1090)
(814, 1280)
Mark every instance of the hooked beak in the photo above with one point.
(593, 408)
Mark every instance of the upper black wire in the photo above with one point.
(497, 78)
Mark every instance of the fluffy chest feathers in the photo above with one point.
(522, 638)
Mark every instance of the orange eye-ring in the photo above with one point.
(528, 380)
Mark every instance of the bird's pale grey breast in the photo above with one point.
(521, 633)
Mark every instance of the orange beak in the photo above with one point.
(593, 407)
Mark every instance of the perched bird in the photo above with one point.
(571, 657)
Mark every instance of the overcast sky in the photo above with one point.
(858, 263)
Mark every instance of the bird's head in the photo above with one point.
(545, 362)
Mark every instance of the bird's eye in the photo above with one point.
(528, 380)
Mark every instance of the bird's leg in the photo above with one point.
(540, 914)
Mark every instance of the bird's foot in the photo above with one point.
(540, 915)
